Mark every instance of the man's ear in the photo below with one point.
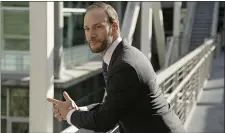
(115, 26)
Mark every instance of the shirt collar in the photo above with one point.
(110, 50)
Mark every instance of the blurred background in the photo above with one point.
(183, 40)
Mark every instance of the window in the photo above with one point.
(73, 24)
(77, 32)
(3, 126)
(16, 119)
(19, 102)
(15, 4)
(75, 4)
(16, 29)
(18, 127)
(17, 44)
(16, 22)
(3, 102)
(15, 25)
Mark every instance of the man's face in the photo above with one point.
(98, 32)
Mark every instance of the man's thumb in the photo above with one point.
(66, 96)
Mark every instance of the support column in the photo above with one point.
(130, 21)
(214, 28)
(176, 30)
(58, 48)
(41, 73)
(146, 29)
(223, 28)
(159, 32)
(188, 26)
(215, 19)
(1, 50)
(70, 25)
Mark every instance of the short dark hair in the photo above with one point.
(109, 10)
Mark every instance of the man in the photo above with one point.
(134, 100)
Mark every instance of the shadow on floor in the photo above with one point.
(214, 120)
(208, 115)
(213, 98)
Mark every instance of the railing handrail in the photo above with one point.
(163, 75)
(187, 78)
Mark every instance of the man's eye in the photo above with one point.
(86, 29)
(99, 26)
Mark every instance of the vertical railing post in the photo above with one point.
(163, 87)
(176, 82)
(194, 89)
(204, 64)
(186, 105)
(199, 83)
(211, 60)
(207, 64)
(176, 102)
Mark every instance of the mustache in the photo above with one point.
(94, 40)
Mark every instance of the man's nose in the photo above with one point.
(93, 34)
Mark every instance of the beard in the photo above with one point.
(103, 46)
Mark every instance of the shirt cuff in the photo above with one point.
(68, 117)
(84, 108)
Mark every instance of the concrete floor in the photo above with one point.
(208, 116)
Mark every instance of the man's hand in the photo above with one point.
(61, 108)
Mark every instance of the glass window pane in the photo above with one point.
(77, 32)
(16, 29)
(9, 63)
(26, 63)
(77, 4)
(16, 4)
(17, 44)
(18, 127)
(16, 23)
(3, 125)
(3, 102)
(19, 102)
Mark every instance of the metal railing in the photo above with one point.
(182, 82)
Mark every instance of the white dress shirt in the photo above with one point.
(106, 58)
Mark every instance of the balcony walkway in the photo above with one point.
(208, 115)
